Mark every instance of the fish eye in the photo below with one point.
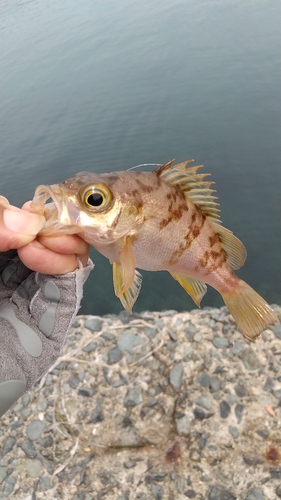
(96, 197)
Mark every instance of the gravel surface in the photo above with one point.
(157, 406)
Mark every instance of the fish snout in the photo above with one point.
(59, 213)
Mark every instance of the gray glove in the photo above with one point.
(36, 312)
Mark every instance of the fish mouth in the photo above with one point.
(52, 204)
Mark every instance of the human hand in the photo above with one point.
(36, 308)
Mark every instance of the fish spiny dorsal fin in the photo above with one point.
(192, 184)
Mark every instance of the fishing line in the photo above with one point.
(146, 165)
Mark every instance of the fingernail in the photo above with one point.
(23, 222)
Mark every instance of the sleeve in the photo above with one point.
(36, 312)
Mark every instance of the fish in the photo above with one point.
(165, 219)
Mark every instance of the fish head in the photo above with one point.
(96, 206)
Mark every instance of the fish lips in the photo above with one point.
(61, 215)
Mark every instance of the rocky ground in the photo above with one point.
(157, 406)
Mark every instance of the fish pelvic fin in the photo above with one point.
(195, 288)
(251, 312)
(129, 297)
(126, 279)
(192, 184)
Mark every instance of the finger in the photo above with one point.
(45, 261)
(17, 226)
(60, 257)
(64, 243)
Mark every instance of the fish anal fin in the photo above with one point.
(251, 312)
(192, 184)
(235, 250)
(195, 288)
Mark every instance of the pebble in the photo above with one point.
(35, 429)
(204, 401)
(28, 447)
(183, 426)
(114, 355)
(240, 390)
(129, 464)
(88, 392)
(197, 337)
(133, 396)
(90, 347)
(233, 431)
(176, 377)
(220, 342)
(203, 379)
(157, 492)
(199, 413)
(263, 433)
(127, 341)
(268, 386)
(151, 332)
(215, 384)
(218, 492)
(277, 330)
(96, 416)
(190, 330)
(224, 409)
(3, 472)
(32, 467)
(93, 324)
(155, 476)
(239, 412)
(237, 347)
(252, 459)
(74, 381)
(8, 445)
(255, 494)
(41, 404)
(46, 483)
(10, 483)
(250, 359)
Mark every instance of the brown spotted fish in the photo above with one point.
(167, 219)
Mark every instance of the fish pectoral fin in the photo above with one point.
(129, 297)
(195, 288)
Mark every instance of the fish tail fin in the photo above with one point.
(251, 312)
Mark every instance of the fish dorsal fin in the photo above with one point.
(126, 279)
(192, 184)
(235, 250)
(195, 288)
